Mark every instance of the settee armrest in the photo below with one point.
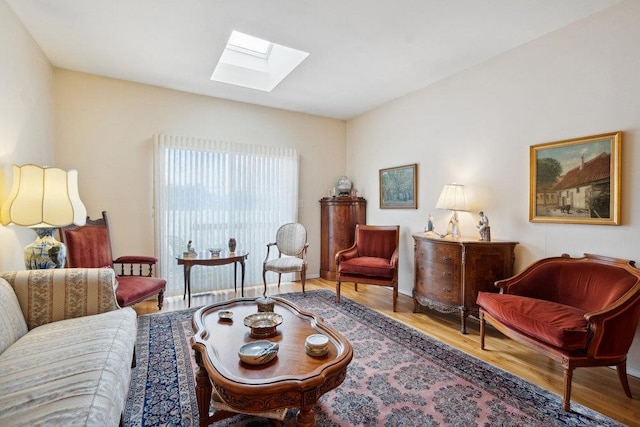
(47, 296)
(622, 317)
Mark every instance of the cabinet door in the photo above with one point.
(484, 265)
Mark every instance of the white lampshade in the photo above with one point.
(43, 197)
(452, 198)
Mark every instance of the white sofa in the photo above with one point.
(66, 348)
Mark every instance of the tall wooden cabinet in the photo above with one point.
(338, 219)
(449, 273)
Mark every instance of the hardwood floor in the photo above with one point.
(596, 388)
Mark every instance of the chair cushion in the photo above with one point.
(367, 266)
(13, 326)
(284, 264)
(133, 289)
(559, 325)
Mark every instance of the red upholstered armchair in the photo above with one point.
(579, 311)
(89, 246)
(373, 259)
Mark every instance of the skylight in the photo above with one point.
(250, 45)
(255, 63)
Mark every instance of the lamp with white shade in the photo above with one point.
(453, 198)
(44, 199)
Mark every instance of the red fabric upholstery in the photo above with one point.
(556, 324)
(587, 286)
(88, 247)
(136, 259)
(376, 243)
(367, 266)
(579, 311)
(373, 259)
(133, 289)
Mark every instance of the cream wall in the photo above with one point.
(26, 120)
(475, 128)
(105, 128)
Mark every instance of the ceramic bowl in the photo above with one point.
(316, 345)
(215, 251)
(258, 352)
(225, 315)
(263, 324)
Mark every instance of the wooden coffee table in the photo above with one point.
(292, 380)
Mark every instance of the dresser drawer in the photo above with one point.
(427, 252)
(439, 281)
(446, 254)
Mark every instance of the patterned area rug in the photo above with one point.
(398, 377)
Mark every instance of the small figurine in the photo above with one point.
(430, 224)
(453, 228)
(483, 227)
(190, 247)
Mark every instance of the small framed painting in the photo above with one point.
(576, 181)
(398, 187)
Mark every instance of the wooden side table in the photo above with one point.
(225, 257)
(450, 272)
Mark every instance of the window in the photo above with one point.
(208, 191)
(254, 63)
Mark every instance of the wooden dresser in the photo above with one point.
(338, 219)
(449, 272)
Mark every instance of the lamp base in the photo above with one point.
(46, 252)
(453, 228)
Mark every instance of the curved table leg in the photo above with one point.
(306, 418)
(235, 278)
(203, 391)
(187, 282)
(242, 280)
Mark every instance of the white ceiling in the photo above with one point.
(363, 53)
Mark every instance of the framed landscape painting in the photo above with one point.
(576, 181)
(398, 187)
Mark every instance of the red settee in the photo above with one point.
(579, 311)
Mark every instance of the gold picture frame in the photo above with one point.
(398, 187)
(576, 181)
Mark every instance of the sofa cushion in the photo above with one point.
(47, 296)
(367, 266)
(70, 372)
(13, 325)
(556, 324)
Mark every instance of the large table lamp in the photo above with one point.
(44, 199)
(453, 198)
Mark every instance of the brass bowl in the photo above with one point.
(263, 324)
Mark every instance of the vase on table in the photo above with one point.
(232, 245)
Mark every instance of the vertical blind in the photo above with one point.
(209, 191)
